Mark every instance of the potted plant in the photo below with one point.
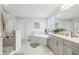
(59, 30)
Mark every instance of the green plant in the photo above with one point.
(59, 30)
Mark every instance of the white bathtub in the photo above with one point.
(39, 38)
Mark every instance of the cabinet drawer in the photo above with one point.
(74, 52)
(72, 45)
(53, 37)
(60, 40)
(67, 43)
(57, 38)
(70, 51)
(75, 46)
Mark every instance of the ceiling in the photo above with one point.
(32, 10)
(43, 10)
(70, 13)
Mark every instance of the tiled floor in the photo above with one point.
(28, 50)
(7, 50)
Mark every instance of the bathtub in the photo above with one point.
(39, 38)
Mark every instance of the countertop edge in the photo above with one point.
(71, 39)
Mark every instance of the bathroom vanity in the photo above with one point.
(63, 45)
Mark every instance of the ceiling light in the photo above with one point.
(66, 6)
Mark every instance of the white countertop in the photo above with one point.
(72, 39)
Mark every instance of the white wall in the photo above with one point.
(43, 25)
(26, 25)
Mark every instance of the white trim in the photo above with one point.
(13, 52)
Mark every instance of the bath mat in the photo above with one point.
(34, 45)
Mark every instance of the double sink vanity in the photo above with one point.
(63, 45)
(59, 44)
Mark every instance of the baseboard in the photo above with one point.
(13, 52)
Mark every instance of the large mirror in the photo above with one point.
(70, 25)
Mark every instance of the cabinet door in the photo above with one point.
(75, 52)
(60, 48)
(49, 42)
(70, 51)
(56, 47)
(67, 50)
